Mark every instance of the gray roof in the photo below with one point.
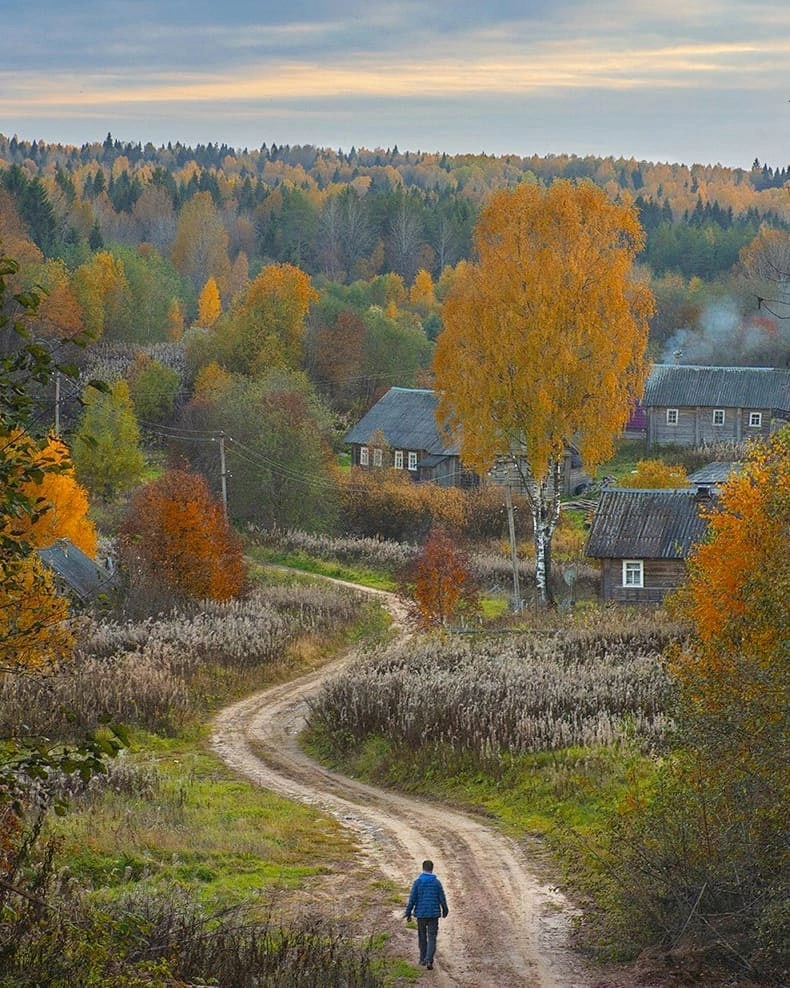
(646, 524)
(406, 417)
(714, 473)
(84, 575)
(680, 385)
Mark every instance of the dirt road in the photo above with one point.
(507, 928)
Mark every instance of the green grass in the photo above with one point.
(302, 562)
(198, 826)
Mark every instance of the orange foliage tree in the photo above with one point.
(441, 582)
(62, 503)
(545, 340)
(176, 534)
(735, 672)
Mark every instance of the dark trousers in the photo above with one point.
(427, 928)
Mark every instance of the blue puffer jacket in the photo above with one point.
(427, 897)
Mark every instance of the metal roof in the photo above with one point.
(646, 524)
(715, 473)
(406, 417)
(84, 575)
(681, 385)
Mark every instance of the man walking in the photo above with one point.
(427, 901)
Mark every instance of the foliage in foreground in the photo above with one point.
(164, 937)
(701, 856)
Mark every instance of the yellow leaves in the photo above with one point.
(65, 504)
(546, 334)
(655, 475)
(209, 304)
(34, 630)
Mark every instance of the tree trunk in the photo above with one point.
(544, 500)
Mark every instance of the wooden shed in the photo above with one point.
(643, 538)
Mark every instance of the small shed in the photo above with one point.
(84, 579)
(689, 405)
(643, 538)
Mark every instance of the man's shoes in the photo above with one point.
(429, 966)
(422, 963)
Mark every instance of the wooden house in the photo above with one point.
(643, 538)
(695, 406)
(401, 432)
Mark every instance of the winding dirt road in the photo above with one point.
(507, 928)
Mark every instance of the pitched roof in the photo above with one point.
(646, 524)
(715, 473)
(406, 417)
(681, 385)
(84, 575)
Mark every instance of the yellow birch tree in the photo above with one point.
(544, 341)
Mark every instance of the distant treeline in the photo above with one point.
(358, 214)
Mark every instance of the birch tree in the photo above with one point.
(544, 341)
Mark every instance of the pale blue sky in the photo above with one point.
(666, 80)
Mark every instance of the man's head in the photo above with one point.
(427, 865)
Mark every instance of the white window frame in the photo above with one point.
(377, 457)
(398, 464)
(719, 416)
(412, 461)
(634, 573)
(364, 456)
(672, 416)
(755, 420)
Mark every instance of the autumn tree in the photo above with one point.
(104, 296)
(440, 582)
(200, 246)
(33, 617)
(544, 341)
(106, 451)
(209, 304)
(176, 534)
(61, 503)
(266, 328)
(655, 475)
(700, 852)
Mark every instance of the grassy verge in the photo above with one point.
(264, 558)
(170, 840)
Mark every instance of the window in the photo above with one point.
(364, 456)
(755, 420)
(672, 416)
(376, 457)
(718, 416)
(412, 461)
(398, 459)
(633, 573)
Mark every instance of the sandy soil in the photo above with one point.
(507, 926)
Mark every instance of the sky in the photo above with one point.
(691, 81)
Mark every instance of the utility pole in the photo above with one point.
(57, 402)
(511, 524)
(500, 473)
(223, 473)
